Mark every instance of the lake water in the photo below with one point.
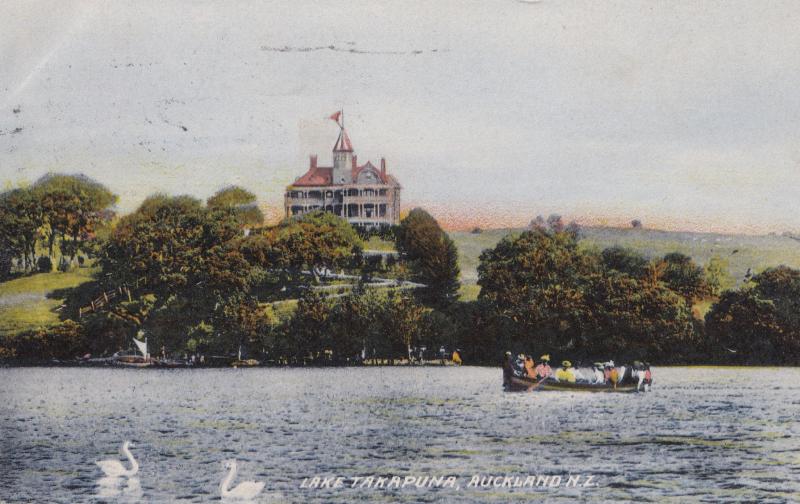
(701, 435)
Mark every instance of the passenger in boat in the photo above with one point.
(530, 368)
(519, 366)
(642, 375)
(508, 370)
(543, 370)
(615, 375)
(598, 372)
(637, 373)
(566, 373)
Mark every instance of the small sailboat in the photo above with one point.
(244, 363)
(132, 359)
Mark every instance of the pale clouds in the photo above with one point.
(680, 113)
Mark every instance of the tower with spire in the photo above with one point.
(342, 158)
(367, 196)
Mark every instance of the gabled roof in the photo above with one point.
(316, 176)
(343, 142)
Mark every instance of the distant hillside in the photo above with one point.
(742, 251)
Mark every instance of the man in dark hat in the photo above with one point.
(508, 369)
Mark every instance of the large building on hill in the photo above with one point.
(365, 195)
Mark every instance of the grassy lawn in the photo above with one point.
(469, 291)
(24, 303)
(742, 252)
(375, 243)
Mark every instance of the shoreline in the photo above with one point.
(16, 365)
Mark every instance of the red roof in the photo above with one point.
(343, 142)
(316, 176)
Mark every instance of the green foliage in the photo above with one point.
(316, 242)
(541, 291)
(73, 206)
(536, 281)
(684, 276)
(624, 260)
(66, 340)
(759, 323)
(309, 327)
(63, 210)
(432, 255)
(241, 201)
(188, 258)
(20, 220)
(718, 276)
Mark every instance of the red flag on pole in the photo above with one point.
(335, 116)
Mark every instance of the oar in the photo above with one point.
(534, 387)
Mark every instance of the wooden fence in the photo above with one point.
(107, 296)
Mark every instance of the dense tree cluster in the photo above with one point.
(542, 291)
(59, 213)
(760, 322)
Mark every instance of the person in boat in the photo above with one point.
(566, 373)
(508, 370)
(598, 371)
(456, 357)
(519, 366)
(530, 368)
(616, 374)
(641, 375)
(543, 370)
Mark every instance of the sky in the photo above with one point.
(684, 115)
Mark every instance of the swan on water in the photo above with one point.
(114, 468)
(244, 490)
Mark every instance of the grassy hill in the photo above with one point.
(741, 251)
(30, 302)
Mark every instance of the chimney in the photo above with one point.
(355, 162)
(313, 163)
(383, 169)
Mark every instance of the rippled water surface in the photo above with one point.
(702, 435)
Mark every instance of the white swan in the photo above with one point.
(115, 469)
(244, 490)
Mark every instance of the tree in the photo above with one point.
(625, 260)
(684, 276)
(432, 255)
(718, 277)
(317, 242)
(636, 224)
(309, 327)
(73, 207)
(188, 257)
(402, 318)
(534, 284)
(631, 320)
(20, 220)
(759, 323)
(241, 201)
(352, 323)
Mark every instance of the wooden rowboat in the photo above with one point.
(523, 384)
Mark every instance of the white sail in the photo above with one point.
(142, 346)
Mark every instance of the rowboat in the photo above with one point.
(131, 361)
(524, 384)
